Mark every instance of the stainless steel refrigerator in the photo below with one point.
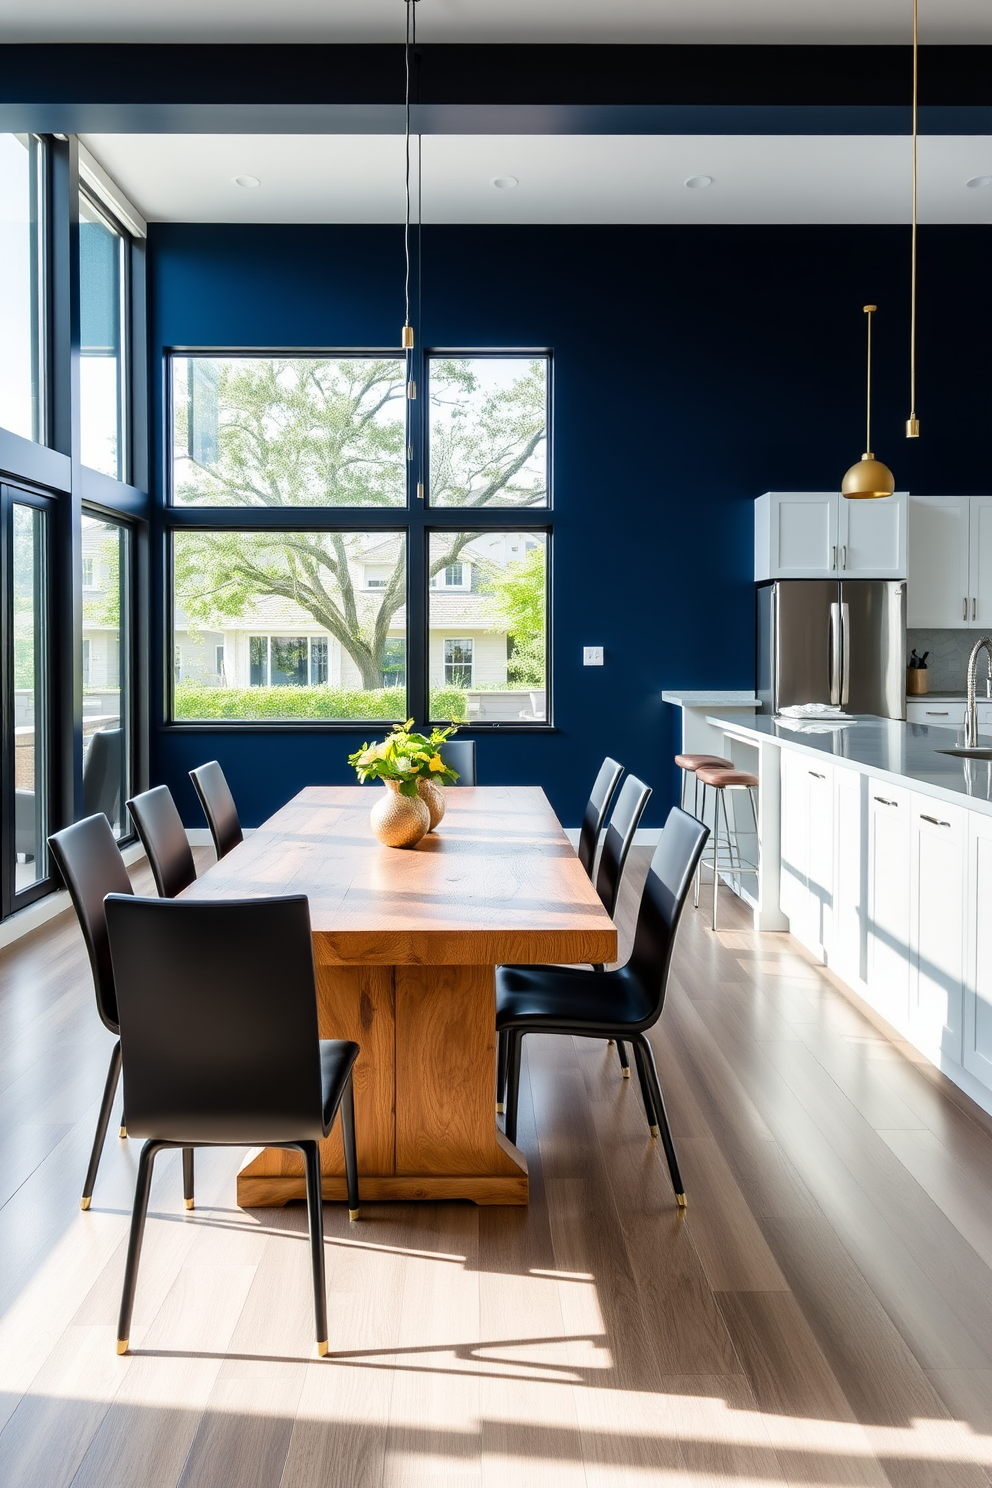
(833, 641)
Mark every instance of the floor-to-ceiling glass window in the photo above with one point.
(22, 300)
(106, 643)
(102, 370)
(26, 536)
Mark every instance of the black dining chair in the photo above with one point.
(90, 862)
(218, 1014)
(621, 1004)
(598, 804)
(164, 839)
(459, 754)
(218, 806)
(619, 839)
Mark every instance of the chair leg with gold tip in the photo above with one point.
(663, 1128)
(350, 1150)
(315, 1215)
(139, 1213)
(103, 1121)
(188, 1177)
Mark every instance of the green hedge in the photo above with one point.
(195, 701)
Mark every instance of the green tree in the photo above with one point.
(301, 432)
(517, 606)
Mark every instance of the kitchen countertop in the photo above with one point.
(905, 753)
(711, 699)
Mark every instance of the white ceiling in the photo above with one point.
(562, 178)
(865, 21)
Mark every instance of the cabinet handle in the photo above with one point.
(965, 616)
(843, 560)
(936, 713)
(934, 820)
(974, 609)
(883, 802)
(816, 774)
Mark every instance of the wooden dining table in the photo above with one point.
(406, 943)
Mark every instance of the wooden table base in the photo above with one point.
(425, 1086)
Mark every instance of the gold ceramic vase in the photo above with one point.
(397, 820)
(432, 795)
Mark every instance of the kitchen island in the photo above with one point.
(877, 854)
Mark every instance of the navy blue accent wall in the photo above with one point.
(694, 369)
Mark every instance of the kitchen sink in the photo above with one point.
(981, 752)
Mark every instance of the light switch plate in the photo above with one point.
(592, 656)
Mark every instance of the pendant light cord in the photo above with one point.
(912, 425)
(868, 311)
(410, 13)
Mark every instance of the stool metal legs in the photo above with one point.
(734, 863)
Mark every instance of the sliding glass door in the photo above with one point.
(25, 539)
(106, 667)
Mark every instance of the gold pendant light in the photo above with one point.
(913, 423)
(869, 478)
(406, 338)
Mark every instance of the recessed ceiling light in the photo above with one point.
(505, 183)
(696, 183)
(978, 181)
(248, 182)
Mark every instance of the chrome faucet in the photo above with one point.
(971, 714)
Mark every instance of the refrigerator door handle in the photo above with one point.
(845, 676)
(836, 654)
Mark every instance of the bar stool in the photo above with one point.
(721, 780)
(689, 764)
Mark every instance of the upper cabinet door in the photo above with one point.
(795, 535)
(872, 538)
(939, 591)
(980, 586)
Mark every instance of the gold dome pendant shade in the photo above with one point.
(869, 479)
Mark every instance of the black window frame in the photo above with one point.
(417, 520)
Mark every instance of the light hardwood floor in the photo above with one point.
(822, 1315)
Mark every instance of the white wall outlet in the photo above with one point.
(592, 656)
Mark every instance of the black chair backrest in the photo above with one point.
(218, 1013)
(90, 861)
(597, 806)
(163, 837)
(460, 755)
(102, 774)
(619, 837)
(218, 806)
(665, 892)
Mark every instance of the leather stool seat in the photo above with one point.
(719, 777)
(693, 761)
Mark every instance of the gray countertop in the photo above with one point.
(905, 753)
(711, 699)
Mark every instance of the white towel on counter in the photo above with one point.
(823, 726)
(813, 710)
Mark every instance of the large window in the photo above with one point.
(313, 616)
(22, 302)
(102, 369)
(106, 641)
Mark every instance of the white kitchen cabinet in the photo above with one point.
(977, 1056)
(937, 920)
(950, 562)
(806, 892)
(888, 937)
(872, 538)
(846, 951)
(819, 534)
(948, 714)
(980, 566)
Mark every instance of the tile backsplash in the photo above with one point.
(947, 663)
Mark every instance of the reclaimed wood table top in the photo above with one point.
(497, 882)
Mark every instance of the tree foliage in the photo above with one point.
(517, 605)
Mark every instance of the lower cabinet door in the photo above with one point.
(794, 892)
(846, 953)
(820, 859)
(978, 991)
(937, 960)
(889, 840)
